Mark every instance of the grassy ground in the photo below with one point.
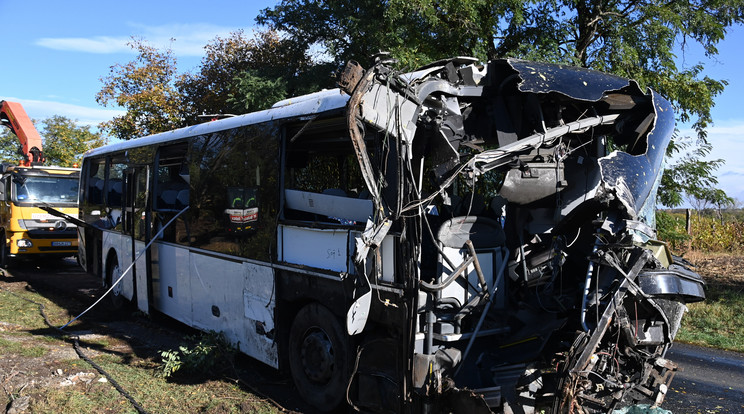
(719, 321)
(40, 368)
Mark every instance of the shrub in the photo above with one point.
(707, 232)
(205, 353)
(711, 235)
(670, 228)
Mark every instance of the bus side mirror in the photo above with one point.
(2, 190)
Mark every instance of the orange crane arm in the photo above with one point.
(14, 117)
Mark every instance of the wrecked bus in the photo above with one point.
(463, 238)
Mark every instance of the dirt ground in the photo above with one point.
(63, 283)
(132, 335)
(718, 268)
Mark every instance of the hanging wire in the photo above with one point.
(159, 233)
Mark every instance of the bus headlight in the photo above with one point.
(24, 243)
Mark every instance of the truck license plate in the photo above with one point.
(61, 244)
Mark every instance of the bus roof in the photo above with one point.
(310, 104)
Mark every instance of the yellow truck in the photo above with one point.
(27, 230)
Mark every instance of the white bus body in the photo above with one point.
(456, 239)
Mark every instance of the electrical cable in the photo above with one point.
(158, 234)
(76, 339)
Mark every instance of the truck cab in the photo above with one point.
(29, 231)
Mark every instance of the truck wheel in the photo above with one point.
(319, 357)
(5, 259)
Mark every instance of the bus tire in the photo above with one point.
(117, 301)
(319, 357)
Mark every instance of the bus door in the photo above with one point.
(136, 225)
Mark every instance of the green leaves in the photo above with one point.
(145, 88)
(255, 92)
(8, 146)
(206, 354)
(241, 74)
(691, 176)
(64, 141)
(238, 74)
(637, 39)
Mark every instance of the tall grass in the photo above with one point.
(716, 246)
(707, 233)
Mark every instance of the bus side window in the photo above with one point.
(172, 191)
(321, 164)
(96, 179)
(115, 191)
(95, 190)
(92, 190)
(234, 177)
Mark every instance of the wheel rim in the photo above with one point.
(317, 356)
(115, 274)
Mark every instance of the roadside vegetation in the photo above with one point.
(715, 245)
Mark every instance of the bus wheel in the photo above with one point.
(113, 273)
(319, 357)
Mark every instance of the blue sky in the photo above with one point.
(54, 54)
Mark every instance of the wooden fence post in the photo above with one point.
(688, 226)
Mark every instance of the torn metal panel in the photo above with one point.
(389, 111)
(632, 177)
(673, 282)
(577, 83)
(357, 138)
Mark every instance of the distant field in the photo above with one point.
(715, 245)
(719, 321)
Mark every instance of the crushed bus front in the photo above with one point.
(520, 197)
